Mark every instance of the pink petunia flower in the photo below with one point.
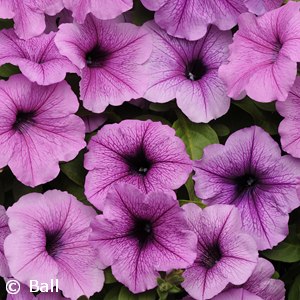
(4, 232)
(49, 241)
(38, 128)
(225, 254)
(188, 71)
(25, 294)
(250, 173)
(38, 58)
(139, 235)
(289, 127)
(259, 286)
(29, 16)
(101, 9)
(110, 56)
(260, 7)
(190, 19)
(143, 153)
(264, 55)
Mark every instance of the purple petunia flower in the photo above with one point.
(143, 153)
(27, 13)
(94, 121)
(260, 285)
(289, 127)
(139, 235)
(38, 58)
(103, 10)
(225, 254)
(53, 22)
(264, 55)
(190, 19)
(188, 71)
(250, 173)
(24, 294)
(4, 232)
(259, 7)
(6, 9)
(49, 240)
(38, 128)
(110, 56)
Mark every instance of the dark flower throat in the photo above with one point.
(96, 57)
(211, 256)
(195, 70)
(23, 119)
(245, 182)
(139, 163)
(142, 231)
(53, 243)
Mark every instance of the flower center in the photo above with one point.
(211, 256)
(142, 231)
(139, 163)
(23, 119)
(96, 57)
(245, 182)
(195, 70)
(52, 243)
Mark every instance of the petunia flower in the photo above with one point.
(139, 235)
(103, 9)
(49, 240)
(6, 9)
(264, 55)
(188, 71)
(38, 128)
(225, 254)
(110, 56)
(29, 16)
(94, 121)
(53, 22)
(190, 19)
(38, 58)
(259, 7)
(145, 154)
(260, 285)
(289, 127)
(250, 173)
(4, 232)
(25, 294)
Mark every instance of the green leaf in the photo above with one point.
(74, 169)
(139, 14)
(153, 118)
(276, 275)
(197, 202)
(220, 129)
(288, 250)
(294, 293)
(266, 106)
(6, 23)
(113, 294)
(267, 120)
(7, 70)
(109, 277)
(20, 189)
(190, 187)
(149, 295)
(161, 107)
(195, 136)
(125, 294)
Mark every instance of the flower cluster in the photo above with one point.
(105, 172)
